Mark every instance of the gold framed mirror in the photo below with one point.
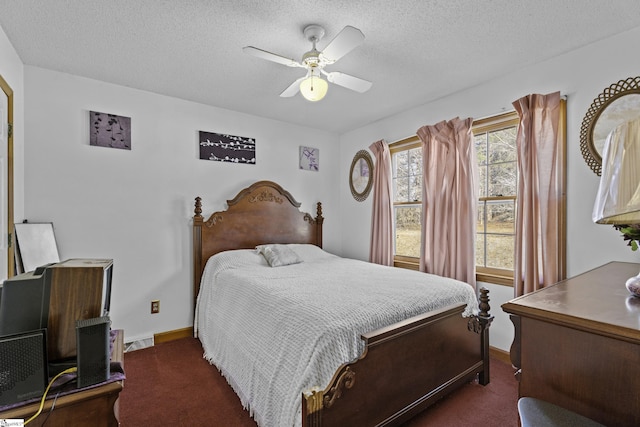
(617, 104)
(361, 175)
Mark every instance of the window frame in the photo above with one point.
(403, 261)
(495, 123)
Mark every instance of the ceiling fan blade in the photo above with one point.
(293, 89)
(263, 54)
(346, 40)
(348, 81)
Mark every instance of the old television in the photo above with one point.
(54, 296)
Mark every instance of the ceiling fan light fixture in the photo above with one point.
(313, 88)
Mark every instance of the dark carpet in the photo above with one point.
(170, 384)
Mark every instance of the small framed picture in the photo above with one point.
(309, 159)
(109, 130)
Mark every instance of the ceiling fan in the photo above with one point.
(312, 86)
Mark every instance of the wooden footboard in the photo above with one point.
(404, 369)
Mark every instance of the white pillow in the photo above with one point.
(278, 255)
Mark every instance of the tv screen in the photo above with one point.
(24, 302)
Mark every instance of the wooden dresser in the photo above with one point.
(577, 345)
(95, 407)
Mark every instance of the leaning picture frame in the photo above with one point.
(35, 245)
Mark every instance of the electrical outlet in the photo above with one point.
(155, 306)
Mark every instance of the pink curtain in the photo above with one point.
(449, 200)
(539, 193)
(381, 249)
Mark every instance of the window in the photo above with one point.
(495, 142)
(406, 164)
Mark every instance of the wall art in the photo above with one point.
(227, 148)
(309, 158)
(109, 130)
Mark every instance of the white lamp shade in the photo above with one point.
(618, 199)
(314, 88)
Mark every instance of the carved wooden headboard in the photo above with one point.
(261, 213)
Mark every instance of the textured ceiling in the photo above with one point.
(414, 51)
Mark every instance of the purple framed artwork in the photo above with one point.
(109, 130)
(227, 148)
(309, 158)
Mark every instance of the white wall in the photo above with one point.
(136, 206)
(581, 75)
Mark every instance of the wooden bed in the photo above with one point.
(404, 368)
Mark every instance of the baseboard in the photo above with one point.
(499, 354)
(172, 335)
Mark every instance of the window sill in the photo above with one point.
(406, 262)
(496, 279)
(493, 276)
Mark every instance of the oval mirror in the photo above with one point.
(617, 104)
(360, 175)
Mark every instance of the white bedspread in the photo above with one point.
(274, 332)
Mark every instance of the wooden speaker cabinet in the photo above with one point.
(80, 289)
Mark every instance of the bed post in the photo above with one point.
(319, 222)
(312, 408)
(197, 249)
(315, 400)
(485, 320)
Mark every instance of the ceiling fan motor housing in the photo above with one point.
(313, 33)
(311, 58)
